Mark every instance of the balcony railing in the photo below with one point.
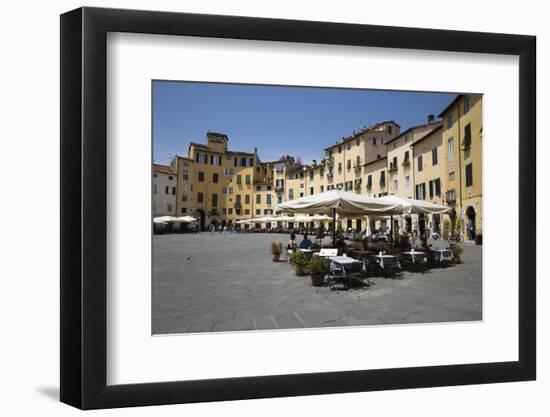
(392, 168)
(369, 185)
(357, 168)
(406, 162)
(279, 189)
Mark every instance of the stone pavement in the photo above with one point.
(211, 282)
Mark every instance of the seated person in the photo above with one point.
(305, 243)
(291, 246)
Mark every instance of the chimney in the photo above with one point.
(255, 150)
(314, 162)
(431, 118)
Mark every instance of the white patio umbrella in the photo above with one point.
(156, 221)
(413, 206)
(185, 219)
(164, 219)
(342, 202)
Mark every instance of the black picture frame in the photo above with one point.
(84, 207)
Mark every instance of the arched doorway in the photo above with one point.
(471, 226)
(199, 213)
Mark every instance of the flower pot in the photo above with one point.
(300, 270)
(275, 257)
(318, 280)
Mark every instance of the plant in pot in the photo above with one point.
(299, 260)
(457, 251)
(318, 268)
(276, 249)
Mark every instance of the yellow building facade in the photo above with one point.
(462, 137)
(400, 172)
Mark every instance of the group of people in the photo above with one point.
(292, 246)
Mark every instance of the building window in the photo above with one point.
(258, 199)
(268, 199)
(228, 157)
(420, 163)
(184, 194)
(357, 141)
(269, 188)
(348, 146)
(301, 185)
(228, 171)
(154, 175)
(407, 180)
(374, 141)
(390, 129)
(170, 177)
(420, 191)
(301, 194)
(449, 121)
(349, 185)
(185, 173)
(382, 177)
(258, 211)
(166, 190)
(246, 211)
(201, 176)
(230, 190)
(250, 162)
(339, 149)
(200, 197)
(395, 185)
(369, 181)
(466, 104)
(348, 164)
(311, 191)
(154, 188)
(451, 176)
(243, 162)
(435, 188)
(230, 210)
(183, 210)
(247, 199)
(434, 156)
(406, 159)
(258, 188)
(247, 179)
(169, 207)
(451, 148)
(279, 199)
(467, 142)
(339, 167)
(214, 200)
(469, 176)
(239, 180)
(290, 193)
(215, 178)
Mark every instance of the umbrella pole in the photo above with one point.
(334, 227)
(391, 230)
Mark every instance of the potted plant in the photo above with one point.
(276, 249)
(457, 251)
(318, 268)
(299, 260)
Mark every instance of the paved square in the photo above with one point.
(225, 282)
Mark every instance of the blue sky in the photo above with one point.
(277, 120)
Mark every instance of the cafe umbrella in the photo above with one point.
(413, 206)
(343, 203)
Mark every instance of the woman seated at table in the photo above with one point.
(291, 246)
(305, 243)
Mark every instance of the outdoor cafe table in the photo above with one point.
(345, 262)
